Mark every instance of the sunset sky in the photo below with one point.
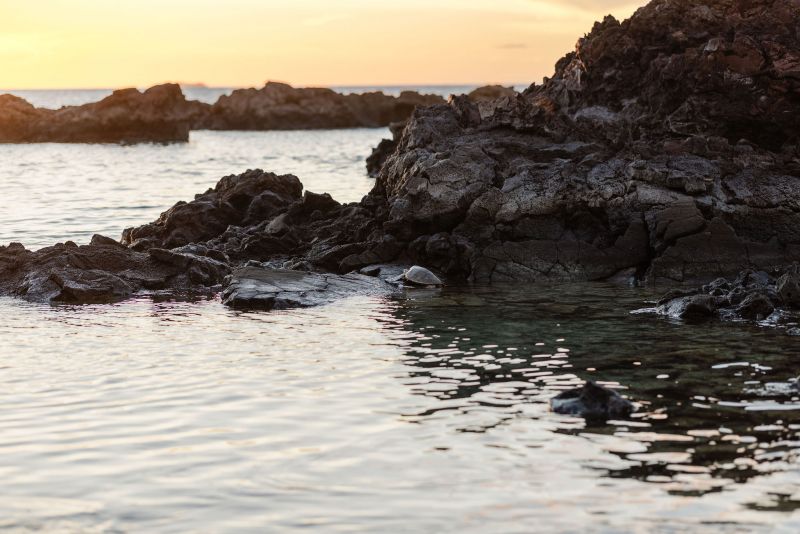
(103, 43)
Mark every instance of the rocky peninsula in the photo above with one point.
(162, 114)
(664, 150)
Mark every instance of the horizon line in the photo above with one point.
(297, 86)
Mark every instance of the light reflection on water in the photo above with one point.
(422, 413)
(426, 413)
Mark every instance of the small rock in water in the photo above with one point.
(694, 307)
(793, 332)
(592, 402)
(371, 270)
(788, 288)
(755, 307)
(420, 276)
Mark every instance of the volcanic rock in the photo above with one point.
(664, 145)
(592, 402)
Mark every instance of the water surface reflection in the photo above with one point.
(427, 412)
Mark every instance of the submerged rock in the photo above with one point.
(268, 289)
(592, 402)
(750, 296)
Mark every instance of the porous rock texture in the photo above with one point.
(664, 147)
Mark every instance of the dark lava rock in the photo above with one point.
(592, 402)
(750, 296)
(788, 288)
(159, 114)
(755, 306)
(267, 289)
(278, 106)
(243, 200)
(694, 307)
(96, 273)
(665, 144)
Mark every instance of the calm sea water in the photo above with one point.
(421, 413)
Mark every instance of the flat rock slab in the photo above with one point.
(276, 289)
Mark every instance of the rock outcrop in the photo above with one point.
(663, 148)
(103, 271)
(159, 114)
(487, 98)
(278, 106)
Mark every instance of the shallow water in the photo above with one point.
(425, 412)
(54, 192)
(422, 413)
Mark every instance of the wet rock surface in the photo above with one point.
(103, 271)
(752, 296)
(267, 289)
(592, 402)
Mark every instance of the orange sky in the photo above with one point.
(108, 43)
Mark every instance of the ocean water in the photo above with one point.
(425, 412)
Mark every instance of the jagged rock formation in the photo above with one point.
(159, 114)
(278, 106)
(103, 271)
(385, 148)
(664, 147)
(487, 98)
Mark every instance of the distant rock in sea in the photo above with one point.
(159, 114)
(278, 106)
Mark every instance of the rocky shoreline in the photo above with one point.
(663, 151)
(162, 114)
